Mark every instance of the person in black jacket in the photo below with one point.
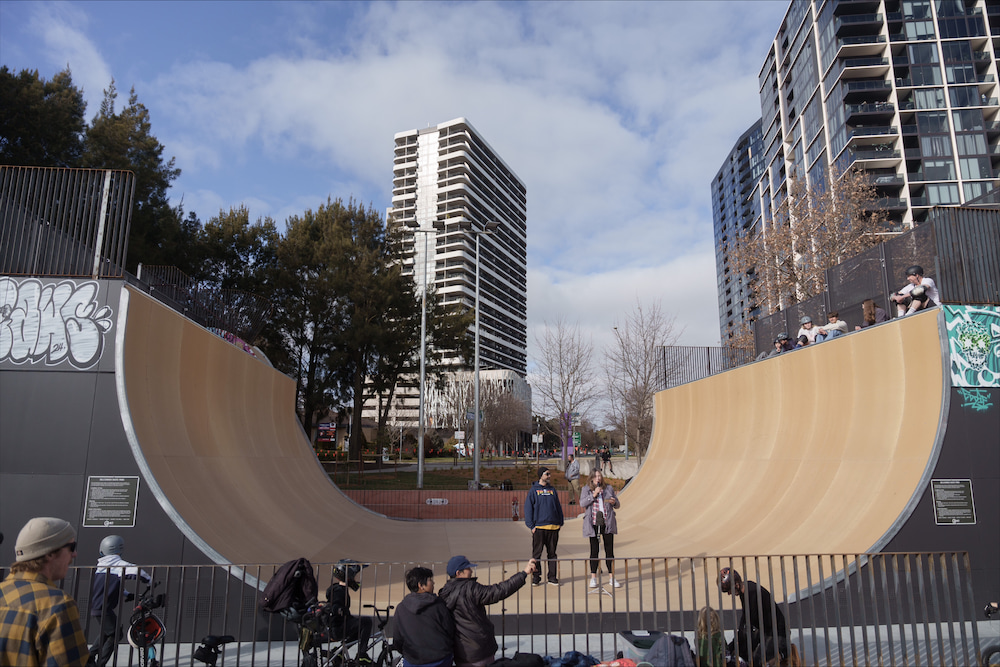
(765, 634)
(475, 640)
(343, 624)
(424, 628)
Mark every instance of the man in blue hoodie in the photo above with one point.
(544, 517)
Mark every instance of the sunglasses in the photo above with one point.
(72, 547)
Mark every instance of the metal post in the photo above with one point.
(475, 430)
(423, 364)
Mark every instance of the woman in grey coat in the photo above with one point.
(599, 503)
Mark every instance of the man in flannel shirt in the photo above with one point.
(39, 623)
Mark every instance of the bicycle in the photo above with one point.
(145, 628)
(315, 631)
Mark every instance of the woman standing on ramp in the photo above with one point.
(599, 503)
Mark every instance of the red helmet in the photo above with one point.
(729, 580)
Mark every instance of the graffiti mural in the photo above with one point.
(52, 322)
(974, 345)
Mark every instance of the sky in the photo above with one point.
(616, 115)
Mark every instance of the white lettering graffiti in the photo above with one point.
(52, 322)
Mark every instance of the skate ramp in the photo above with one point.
(821, 450)
(818, 451)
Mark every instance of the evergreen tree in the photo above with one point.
(41, 122)
(123, 140)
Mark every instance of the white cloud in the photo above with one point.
(62, 28)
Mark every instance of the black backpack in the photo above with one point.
(291, 590)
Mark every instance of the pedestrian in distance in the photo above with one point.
(39, 623)
(424, 627)
(573, 478)
(599, 502)
(475, 637)
(543, 516)
(106, 594)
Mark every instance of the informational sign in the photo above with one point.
(111, 502)
(326, 432)
(460, 435)
(953, 502)
(576, 438)
(436, 501)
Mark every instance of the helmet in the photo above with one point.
(915, 270)
(145, 632)
(347, 570)
(781, 336)
(112, 545)
(727, 578)
(806, 320)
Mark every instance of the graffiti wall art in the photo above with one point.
(52, 322)
(974, 345)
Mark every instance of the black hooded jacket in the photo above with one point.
(467, 599)
(424, 630)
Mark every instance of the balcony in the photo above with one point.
(855, 7)
(913, 153)
(861, 114)
(891, 204)
(858, 24)
(866, 91)
(910, 129)
(873, 134)
(861, 45)
(876, 158)
(888, 181)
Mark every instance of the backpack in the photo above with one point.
(670, 651)
(291, 590)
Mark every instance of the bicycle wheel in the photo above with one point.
(386, 658)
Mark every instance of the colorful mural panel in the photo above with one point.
(974, 345)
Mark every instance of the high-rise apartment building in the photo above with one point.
(906, 89)
(734, 210)
(448, 184)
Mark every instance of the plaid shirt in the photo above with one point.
(39, 624)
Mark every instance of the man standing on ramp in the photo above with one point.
(543, 516)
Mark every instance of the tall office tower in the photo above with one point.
(448, 185)
(734, 209)
(905, 89)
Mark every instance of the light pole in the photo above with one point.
(423, 361)
(488, 228)
(624, 406)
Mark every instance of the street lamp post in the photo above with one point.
(624, 404)
(423, 364)
(488, 228)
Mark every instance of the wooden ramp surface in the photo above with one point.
(816, 451)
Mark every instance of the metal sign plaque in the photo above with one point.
(953, 502)
(111, 502)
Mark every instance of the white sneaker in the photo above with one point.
(593, 582)
(614, 582)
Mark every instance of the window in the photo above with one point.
(944, 193)
(926, 75)
(973, 190)
(919, 30)
(965, 96)
(930, 98)
(965, 73)
(935, 146)
(956, 52)
(930, 122)
(975, 167)
(971, 144)
(923, 54)
(939, 170)
(968, 119)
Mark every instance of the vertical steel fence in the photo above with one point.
(678, 364)
(840, 609)
(64, 222)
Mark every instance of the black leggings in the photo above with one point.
(609, 552)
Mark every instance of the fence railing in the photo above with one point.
(959, 248)
(64, 222)
(679, 364)
(868, 609)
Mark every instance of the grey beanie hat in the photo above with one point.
(42, 535)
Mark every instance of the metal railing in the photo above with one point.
(679, 364)
(64, 222)
(885, 609)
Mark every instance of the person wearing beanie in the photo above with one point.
(543, 516)
(39, 623)
(475, 637)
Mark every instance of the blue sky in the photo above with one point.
(616, 115)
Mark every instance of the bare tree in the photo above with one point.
(505, 417)
(565, 379)
(818, 225)
(633, 365)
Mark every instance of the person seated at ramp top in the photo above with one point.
(781, 344)
(871, 314)
(761, 631)
(833, 328)
(344, 625)
(917, 294)
(807, 329)
(475, 638)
